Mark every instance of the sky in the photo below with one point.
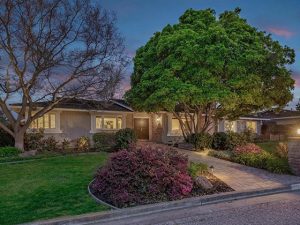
(138, 20)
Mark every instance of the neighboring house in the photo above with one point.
(74, 118)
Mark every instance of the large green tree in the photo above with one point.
(211, 65)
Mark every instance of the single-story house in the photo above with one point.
(74, 118)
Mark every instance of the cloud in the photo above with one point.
(282, 32)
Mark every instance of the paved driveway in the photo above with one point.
(239, 177)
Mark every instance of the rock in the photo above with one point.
(203, 182)
(28, 153)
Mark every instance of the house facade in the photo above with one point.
(75, 118)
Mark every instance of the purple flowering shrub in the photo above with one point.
(143, 175)
(248, 148)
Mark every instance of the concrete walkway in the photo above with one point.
(237, 176)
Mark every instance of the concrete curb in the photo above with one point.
(166, 206)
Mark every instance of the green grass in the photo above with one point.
(269, 146)
(48, 188)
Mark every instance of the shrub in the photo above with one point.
(34, 140)
(277, 165)
(196, 169)
(228, 141)
(83, 144)
(201, 140)
(226, 155)
(143, 175)
(264, 160)
(9, 151)
(104, 141)
(282, 150)
(125, 138)
(65, 144)
(235, 139)
(220, 141)
(248, 148)
(50, 144)
(6, 139)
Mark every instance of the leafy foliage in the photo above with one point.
(229, 140)
(226, 155)
(143, 175)
(125, 138)
(50, 144)
(207, 60)
(200, 140)
(248, 148)
(6, 139)
(196, 169)
(104, 141)
(220, 141)
(282, 150)
(83, 144)
(34, 140)
(9, 151)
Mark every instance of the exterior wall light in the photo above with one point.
(298, 131)
(158, 119)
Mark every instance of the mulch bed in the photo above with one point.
(218, 187)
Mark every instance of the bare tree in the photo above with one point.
(52, 50)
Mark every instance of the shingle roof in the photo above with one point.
(112, 105)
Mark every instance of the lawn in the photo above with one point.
(269, 146)
(48, 188)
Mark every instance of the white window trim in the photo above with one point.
(55, 130)
(171, 133)
(102, 115)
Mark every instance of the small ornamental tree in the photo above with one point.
(211, 66)
(53, 50)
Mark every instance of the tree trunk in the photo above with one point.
(19, 140)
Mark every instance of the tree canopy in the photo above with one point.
(53, 50)
(209, 63)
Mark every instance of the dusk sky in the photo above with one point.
(138, 20)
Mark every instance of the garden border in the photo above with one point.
(115, 215)
(99, 200)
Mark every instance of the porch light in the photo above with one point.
(298, 131)
(158, 120)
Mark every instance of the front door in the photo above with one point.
(141, 128)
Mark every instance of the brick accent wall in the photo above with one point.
(294, 154)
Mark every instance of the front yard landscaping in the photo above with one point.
(48, 188)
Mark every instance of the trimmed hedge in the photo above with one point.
(228, 141)
(9, 151)
(104, 141)
(125, 138)
(201, 140)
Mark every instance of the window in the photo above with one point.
(45, 122)
(229, 125)
(108, 122)
(98, 122)
(175, 125)
(251, 125)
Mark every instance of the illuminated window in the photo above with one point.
(229, 125)
(98, 122)
(45, 122)
(175, 125)
(109, 123)
(119, 122)
(251, 125)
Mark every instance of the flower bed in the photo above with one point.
(145, 175)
